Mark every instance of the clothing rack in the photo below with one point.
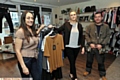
(103, 9)
(46, 71)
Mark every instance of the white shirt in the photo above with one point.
(74, 35)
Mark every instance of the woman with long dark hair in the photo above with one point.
(26, 42)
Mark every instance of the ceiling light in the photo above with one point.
(34, 0)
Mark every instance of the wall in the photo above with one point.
(26, 3)
(98, 3)
(54, 12)
(22, 2)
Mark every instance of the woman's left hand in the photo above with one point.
(83, 50)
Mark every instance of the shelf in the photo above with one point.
(86, 22)
(85, 14)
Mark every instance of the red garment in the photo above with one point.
(114, 21)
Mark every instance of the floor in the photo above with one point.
(81, 63)
(113, 72)
(8, 68)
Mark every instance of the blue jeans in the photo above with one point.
(32, 65)
(100, 59)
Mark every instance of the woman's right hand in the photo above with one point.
(26, 71)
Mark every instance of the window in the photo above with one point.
(15, 19)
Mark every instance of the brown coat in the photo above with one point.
(91, 34)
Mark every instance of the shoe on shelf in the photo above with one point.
(86, 73)
(104, 78)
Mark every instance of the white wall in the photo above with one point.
(56, 11)
(98, 3)
(22, 2)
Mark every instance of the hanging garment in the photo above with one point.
(106, 18)
(109, 18)
(118, 16)
(4, 12)
(56, 73)
(36, 13)
(113, 21)
(115, 14)
(112, 39)
(117, 44)
(46, 75)
(53, 51)
(40, 56)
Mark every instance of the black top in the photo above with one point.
(66, 29)
(98, 28)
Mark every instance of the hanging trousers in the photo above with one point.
(72, 54)
(6, 14)
(36, 13)
(100, 59)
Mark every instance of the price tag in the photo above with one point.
(54, 47)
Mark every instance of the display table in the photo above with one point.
(6, 55)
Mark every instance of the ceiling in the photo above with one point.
(56, 2)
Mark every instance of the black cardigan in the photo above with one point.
(66, 29)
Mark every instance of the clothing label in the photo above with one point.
(54, 47)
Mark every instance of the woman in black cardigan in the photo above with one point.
(73, 41)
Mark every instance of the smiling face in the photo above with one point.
(29, 19)
(73, 16)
